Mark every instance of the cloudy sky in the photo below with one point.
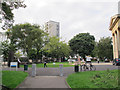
(75, 16)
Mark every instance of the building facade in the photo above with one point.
(115, 28)
(52, 28)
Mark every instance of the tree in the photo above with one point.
(82, 44)
(6, 12)
(18, 54)
(5, 47)
(95, 50)
(39, 38)
(105, 48)
(8, 49)
(56, 48)
(0, 49)
(32, 54)
(27, 37)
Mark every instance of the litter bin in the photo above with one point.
(76, 68)
(25, 67)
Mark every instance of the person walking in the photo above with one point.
(45, 64)
(19, 63)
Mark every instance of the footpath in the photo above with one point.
(44, 82)
(46, 78)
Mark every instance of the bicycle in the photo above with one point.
(85, 67)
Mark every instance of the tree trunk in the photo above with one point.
(37, 56)
(10, 57)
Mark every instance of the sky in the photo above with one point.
(75, 16)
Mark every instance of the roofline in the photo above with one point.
(116, 17)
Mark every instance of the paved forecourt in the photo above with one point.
(44, 82)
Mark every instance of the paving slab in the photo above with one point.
(44, 82)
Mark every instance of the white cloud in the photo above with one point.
(75, 16)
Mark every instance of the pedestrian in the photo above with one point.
(45, 64)
(79, 61)
(98, 60)
(19, 63)
(88, 59)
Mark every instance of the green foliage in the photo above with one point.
(5, 47)
(94, 79)
(7, 14)
(18, 54)
(8, 49)
(105, 48)
(27, 37)
(24, 59)
(8, 11)
(39, 38)
(12, 79)
(32, 54)
(82, 44)
(95, 50)
(56, 48)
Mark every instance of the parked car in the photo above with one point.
(116, 61)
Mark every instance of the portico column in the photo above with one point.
(116, 46)
(114, 52)
(118, 42)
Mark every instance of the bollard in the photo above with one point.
(61, 69)
(33, 70)
(54, 64)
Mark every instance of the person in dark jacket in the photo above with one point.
(45, 64)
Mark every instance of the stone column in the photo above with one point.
(114, 52)
(118, 40)
(116, 45)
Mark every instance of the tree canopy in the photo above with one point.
(82, 44)
(105, 48)
(5, 47)
(27, 37)
(56, 48)
(6, 12)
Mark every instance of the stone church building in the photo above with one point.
(115, 29)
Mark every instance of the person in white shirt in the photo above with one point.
(88, 59)
(98, 60)
(19, 63)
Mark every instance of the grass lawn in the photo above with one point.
(94, 79)
(65, 64)
(12, 79)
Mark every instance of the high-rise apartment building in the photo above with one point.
(52, 28)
